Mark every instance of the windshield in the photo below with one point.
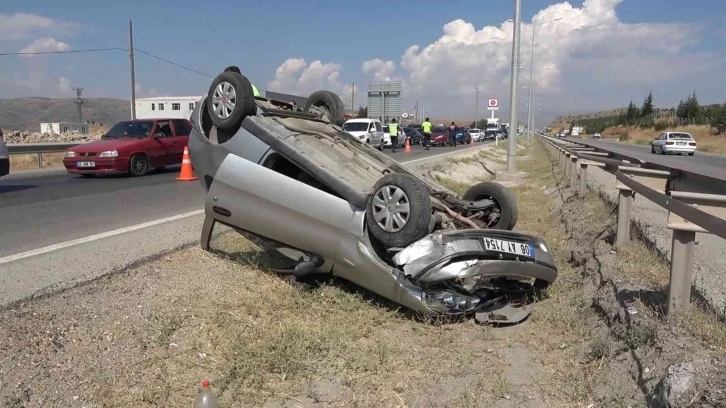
(385, 129)
(438, 129)
(129, 128)
(355, 126)
(679, 136)
(492, 126)
(475, 131)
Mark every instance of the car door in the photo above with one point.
(658, 141)
(163, 141)
(182, 129)
(379, 132)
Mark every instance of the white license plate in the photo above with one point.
(514, 248)
(86, 164)
(681, 143)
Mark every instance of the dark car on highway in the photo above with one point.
(463, 136)
(131, 146)
(4, 156)
(413, 134)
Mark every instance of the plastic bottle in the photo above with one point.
(206, 397)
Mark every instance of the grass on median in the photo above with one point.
(23, 162)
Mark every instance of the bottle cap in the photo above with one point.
(205, 383)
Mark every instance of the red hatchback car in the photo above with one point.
(131, 146)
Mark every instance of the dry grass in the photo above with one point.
(707, 142)
(23, 162)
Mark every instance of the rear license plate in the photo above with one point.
(681, 143)
(86, 164)
(514, 248)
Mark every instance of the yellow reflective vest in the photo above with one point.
(393, 129)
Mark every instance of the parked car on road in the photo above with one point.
(4, 156)
(475, 134)
(439, 136)
(463, 136)
(368, 131)
(413, 134)
(674, 142)
(319, 201)
(132, 147)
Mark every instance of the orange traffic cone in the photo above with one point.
(186, 173)
(408, 145)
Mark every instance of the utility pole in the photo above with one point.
(530, 116)
(512, 148)
(352, 99)
(133, 73)
(79, 101)
(476, 110)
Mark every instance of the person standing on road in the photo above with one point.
(393, 131)
(426, 128)
(234, 68)
(452, 134)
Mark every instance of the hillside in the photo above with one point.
(27, 113)
(565, 121)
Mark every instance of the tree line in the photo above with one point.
(688, 112)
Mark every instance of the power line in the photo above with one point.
(173, 63)
(63, 52)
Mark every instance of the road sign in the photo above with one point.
(493, 104)
(404, 115)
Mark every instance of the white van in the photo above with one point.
(368, 131)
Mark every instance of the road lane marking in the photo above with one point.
(442, 154)
(96, 237)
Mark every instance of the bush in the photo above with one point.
(624, 136)
(662, 125)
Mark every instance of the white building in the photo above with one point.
(172, 107)
(58, 128)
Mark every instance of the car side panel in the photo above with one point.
(291, 212)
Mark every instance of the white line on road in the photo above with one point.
(442, 154)
(91, 238)
(96, 237)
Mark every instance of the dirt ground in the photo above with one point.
(707, 142)
(147, 337)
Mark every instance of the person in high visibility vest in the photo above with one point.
(393, 131)
(426, 128)
(234, 68)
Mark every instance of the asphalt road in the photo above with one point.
(56, 228)
(710, 165)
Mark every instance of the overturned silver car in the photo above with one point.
(293, 181)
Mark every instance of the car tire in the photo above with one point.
(652, 149)
(237, 89)
(138, 165)
(380, 145)
(504, 199)
(330, 102)
(382, 224)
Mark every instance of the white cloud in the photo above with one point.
(297, 77)
(63, 87)
(379, 70)
(18, 26)
(45, 44)
(142, 92)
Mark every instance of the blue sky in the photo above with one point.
(260, 36)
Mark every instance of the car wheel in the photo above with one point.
(380, 145)
(138, 165)
(328, 102)
(230, 100)
(399, 211)
(652, 149)
(504, 201)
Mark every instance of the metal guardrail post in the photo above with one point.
(654, 179)
(566, 164)
(683, 245)
(573, 172)
(40, 160)
(582, 191)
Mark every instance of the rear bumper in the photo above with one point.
(4, 166)
(114, 165)
(679, 149)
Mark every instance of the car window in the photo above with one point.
(682, 136)
(356, 126)
(379, 128)
(129, 128)
(182, 128)
(385, 129)
(438, 130)
(163, 126)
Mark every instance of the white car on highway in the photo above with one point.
(368, 131)
(674, 142)
(475, 134)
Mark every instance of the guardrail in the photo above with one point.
(696, 201)
(40, 149)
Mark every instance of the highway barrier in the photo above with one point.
(40, 149)
(695, 200)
